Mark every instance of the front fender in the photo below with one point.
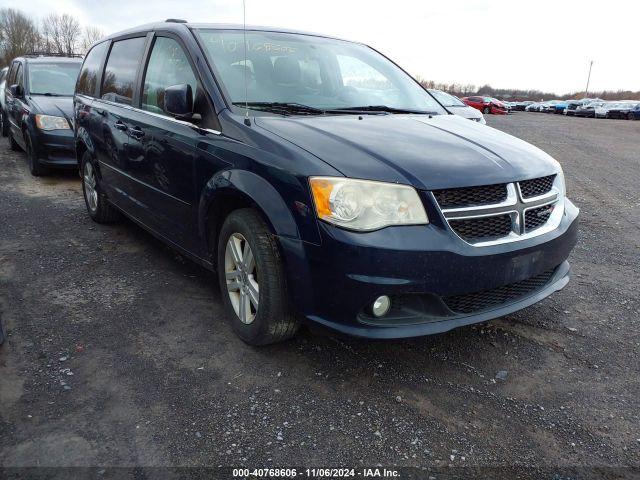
(255, 188)
(83, 138)
(293, 233)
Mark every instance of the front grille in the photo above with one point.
(482, 228)
(536, 217)
(474, 302)
(536, 187)
(467, 196)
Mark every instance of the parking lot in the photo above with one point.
(118, 354)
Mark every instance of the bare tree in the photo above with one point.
(61, 33)
(18, 34)
(91, 35)
(50, 31)
(71, 33)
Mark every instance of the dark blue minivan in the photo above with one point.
(319, 180)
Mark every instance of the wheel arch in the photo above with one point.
(82, 142)
(230, 190)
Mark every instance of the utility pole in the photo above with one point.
(586, 90)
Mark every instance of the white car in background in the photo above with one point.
(602, 111)
(3, 80)
(455, 105)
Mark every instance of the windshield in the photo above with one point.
(447, 100)
(53, 78)
(312, 71)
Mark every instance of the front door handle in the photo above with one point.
(120, 126)
(136, 132)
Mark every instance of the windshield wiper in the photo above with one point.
(289, 108)
(285, 108)
(380, 108)
(47, 94)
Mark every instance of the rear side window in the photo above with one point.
(121, 69)
(88, 77)
(168, 65)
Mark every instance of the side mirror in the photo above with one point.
(16, 90)
(178, 100)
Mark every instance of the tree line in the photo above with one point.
(514, 94)
(59, 34)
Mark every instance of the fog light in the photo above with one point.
(381, 306)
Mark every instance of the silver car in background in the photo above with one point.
(455, 105)
(602, 111)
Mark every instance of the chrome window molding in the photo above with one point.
(516, 207)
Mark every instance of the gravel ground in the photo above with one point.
(118, 354)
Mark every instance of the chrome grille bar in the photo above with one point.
(516, 207)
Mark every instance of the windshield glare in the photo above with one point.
(53, 78)
(314, 71)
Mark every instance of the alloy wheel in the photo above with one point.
(90, 188)
(241, 278)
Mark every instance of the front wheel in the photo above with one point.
(5, 124)
(630, 116)
(252, 280)
(13, 145)
(98, 206)
(486, 110)
(35, 167)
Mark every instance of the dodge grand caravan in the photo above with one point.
(319, 180)
(38, 110)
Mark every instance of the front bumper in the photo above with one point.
(55, 148)
(332, 284)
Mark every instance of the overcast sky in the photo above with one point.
(501, 42)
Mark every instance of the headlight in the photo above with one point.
(49, 122)
(365, 205)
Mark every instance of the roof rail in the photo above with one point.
(175, 20)
(53, 54)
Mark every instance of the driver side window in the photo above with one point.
(168, 65)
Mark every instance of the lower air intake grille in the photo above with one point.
(474, 302)
(536, 217)
(469, 196)
(536, 187)
(480, 228)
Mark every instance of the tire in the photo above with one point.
(486, 110)
(98, 206)
(270, 319)
(36, 169)
(5, 124)
(13, 145)
(630, 116)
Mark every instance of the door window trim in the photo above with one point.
(191, 125)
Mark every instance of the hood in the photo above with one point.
(56, 106)
(429, 153)
(465, 111)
